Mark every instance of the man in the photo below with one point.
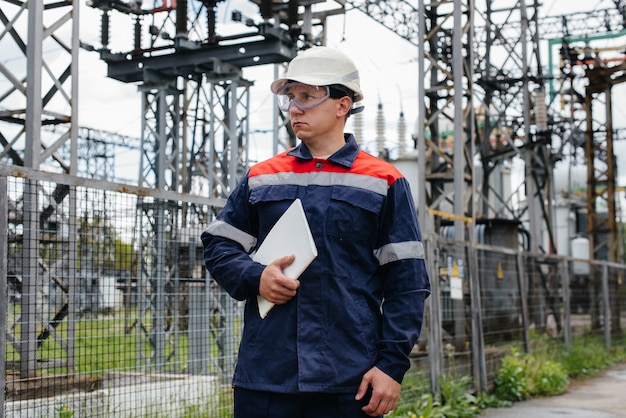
(337, 342)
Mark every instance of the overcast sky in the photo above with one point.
(387, 65)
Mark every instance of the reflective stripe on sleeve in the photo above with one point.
(226, 230)
(399, 251)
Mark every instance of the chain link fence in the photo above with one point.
(109, 311)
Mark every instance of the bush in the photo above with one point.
(522, 376)
(586, 357)
(455, 401)
(550, 379)
(511, 382)
(457, 397)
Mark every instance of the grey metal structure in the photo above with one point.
(484, 86)
(194, 131)
(480, 73)
(40, 93)
(508, 83)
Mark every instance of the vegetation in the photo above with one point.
(546, 372)
(106, 344)
(589, 356)
(522, 376)
(455, 401)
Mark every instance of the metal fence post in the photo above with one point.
(567, 320)
(521, 282)
(478, 346)
(606, 301)
(434, 325)
(4, 227)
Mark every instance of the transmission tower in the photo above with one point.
(195, 122)
(40, 93)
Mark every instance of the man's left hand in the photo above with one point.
(385, 392)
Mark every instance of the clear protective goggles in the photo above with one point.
(303, 96)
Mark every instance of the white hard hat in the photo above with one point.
(322, 66)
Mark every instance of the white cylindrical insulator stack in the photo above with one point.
(401, 135)
(357, 123)
(541, 113)
(380, 131)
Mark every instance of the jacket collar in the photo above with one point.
(344, 157)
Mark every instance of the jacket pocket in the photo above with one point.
(367, 326)
(268, 194)
(353, 215)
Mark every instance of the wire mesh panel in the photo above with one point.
(454, 277)
(544, 293)
(501, 295)
(444, 347)
(616, 298)
(576, 292)
(88, 334)
(607, 295)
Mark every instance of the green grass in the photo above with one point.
(104, 345)
(589, 356)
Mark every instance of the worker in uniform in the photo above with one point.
(337, 342)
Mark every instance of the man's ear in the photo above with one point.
(344, 105)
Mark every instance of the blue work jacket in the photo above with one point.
(361, 301)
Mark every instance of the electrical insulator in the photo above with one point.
(402, 134)
(380, 131)
(357, 122)
(541, 113)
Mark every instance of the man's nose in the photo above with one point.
(293, 108)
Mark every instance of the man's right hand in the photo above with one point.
(274, 286)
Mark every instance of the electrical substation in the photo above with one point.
(512, 162)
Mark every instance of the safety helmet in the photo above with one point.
(322, 66)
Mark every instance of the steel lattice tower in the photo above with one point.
(40, 93)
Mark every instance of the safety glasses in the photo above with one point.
(302, 96)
